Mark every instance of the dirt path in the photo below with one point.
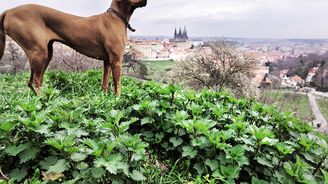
(321, 94)
(319, 118)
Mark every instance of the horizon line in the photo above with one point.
(238, 37)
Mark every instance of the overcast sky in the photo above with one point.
(223, 18)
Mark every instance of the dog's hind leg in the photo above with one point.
(38, 59)
(49, 57)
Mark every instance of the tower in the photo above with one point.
(180, 33)
(185, 34)
(175, 33)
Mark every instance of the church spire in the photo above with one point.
(180, 35)
(185, 33)
(175, 33)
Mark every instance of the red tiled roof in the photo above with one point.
(297, 78)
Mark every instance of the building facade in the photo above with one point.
(180, 36)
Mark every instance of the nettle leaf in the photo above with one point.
(43, 129)
(201, 142)
(237, 153)
(264, 161)
(226, 135)
(227, 172)
(77, 157)
(148, 134)
(176, 141)
(82, 166)
(196, 109)
(95, 149)
(56, 143)
(255, 180)
(137, 176)
(28, 154)
(18, 174)
(124, 126)
(15, 150)
(8, 123)
(80, 132)
(113, 164)
(180, 116)
(100, 162)
(90, 143)
(136, 107)
(213, 164)
(97, 172)
(47, 162)
(284, 149)
(268, 141)
(159, 136)
(189, 151)
(200, 168)
(288, 168)
(138, 155)
(325, 175)
(260, 133)
(146, 120)
(306, 142)
(60, 167)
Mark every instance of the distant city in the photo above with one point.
(180, 45)
(267, 50)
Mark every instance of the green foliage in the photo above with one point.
(74, 133)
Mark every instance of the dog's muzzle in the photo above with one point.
(144, 3)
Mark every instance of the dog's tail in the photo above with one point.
(2, 34)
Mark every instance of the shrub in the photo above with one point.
(152, 133)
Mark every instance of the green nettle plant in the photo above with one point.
(153, 133)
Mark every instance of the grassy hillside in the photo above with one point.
(158, 70)
(288, 101)
(153, 133)
(323, 105)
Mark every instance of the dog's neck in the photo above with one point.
(123, 8)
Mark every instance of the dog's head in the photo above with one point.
(138, 3)
(129, 5)
(132, 3)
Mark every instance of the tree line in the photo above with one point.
(301, 66)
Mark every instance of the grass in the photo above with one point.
(158, 70)
(323, 106)
(286, 101)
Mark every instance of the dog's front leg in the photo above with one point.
(116, 66)
(106, 75)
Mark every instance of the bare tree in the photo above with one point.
(68, 59)
(131, 60)
(217, 66)
(320, 80)
(14, 57)
(75, 61)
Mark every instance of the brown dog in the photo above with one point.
(35, 28)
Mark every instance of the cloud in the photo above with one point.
(252, 18)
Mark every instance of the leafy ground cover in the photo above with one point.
(153, 133)
(288, 101)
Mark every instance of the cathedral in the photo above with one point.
(180, 36)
